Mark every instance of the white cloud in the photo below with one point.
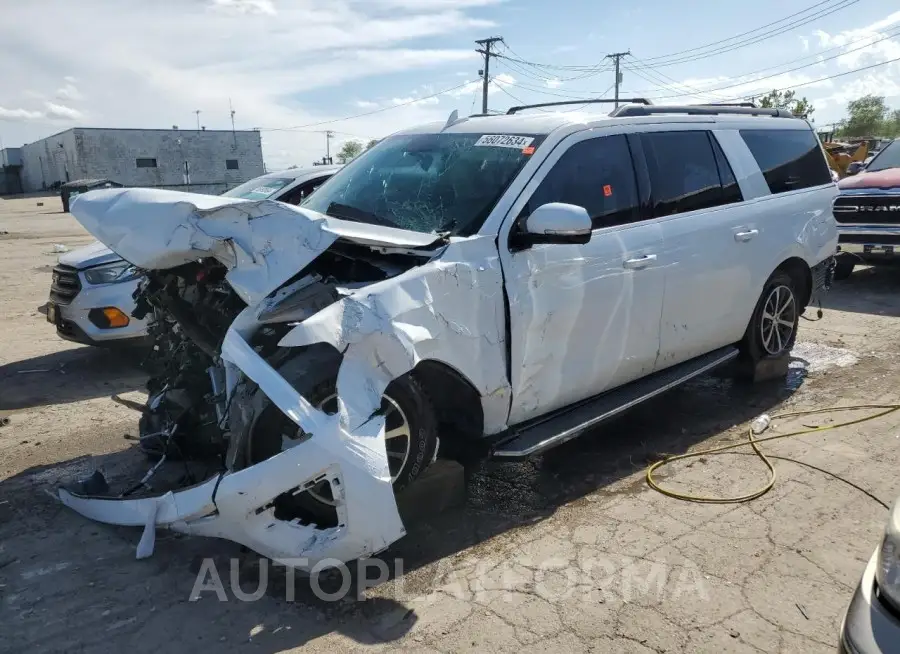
(553, 83)
(15, 115)
(61, 112)
(245, 6)
(300, 67)
(805, 43)
(68, 92)
(432, 5)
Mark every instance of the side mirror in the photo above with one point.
(855, 167)
(557, 222)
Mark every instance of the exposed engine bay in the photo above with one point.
(186, 417)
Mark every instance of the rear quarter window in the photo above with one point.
(789, 159)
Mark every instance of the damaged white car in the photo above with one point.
(515, 277)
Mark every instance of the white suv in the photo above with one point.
(519, 278)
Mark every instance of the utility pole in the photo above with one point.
(485, 73)
(328, 136)
(233, 135)
(616, 56)
(197, 111)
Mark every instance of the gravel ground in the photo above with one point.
(571, 551)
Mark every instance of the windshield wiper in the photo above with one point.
(346, 212)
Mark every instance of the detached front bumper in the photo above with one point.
(238, 505)
(869, 627)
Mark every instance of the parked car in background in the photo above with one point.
(872, 622)
(92, 287)
(868, 211)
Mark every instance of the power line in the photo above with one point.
(757, 39)
(797, 86)
(815, 6)
(889, 35)
(703, 51)
(298, 128)
(658, 78)
(784, 72)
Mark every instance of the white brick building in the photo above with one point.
(205, 161)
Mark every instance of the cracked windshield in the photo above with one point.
(426, 182)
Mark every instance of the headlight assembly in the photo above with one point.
(121, 271)
(887, 573)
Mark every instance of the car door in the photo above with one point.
(707, 258)
(583, 317)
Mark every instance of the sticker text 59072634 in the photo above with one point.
(504, 141)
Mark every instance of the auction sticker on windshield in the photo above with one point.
(504, 141)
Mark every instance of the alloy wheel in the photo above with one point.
(778, 320)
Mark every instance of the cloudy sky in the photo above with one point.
(290, 67)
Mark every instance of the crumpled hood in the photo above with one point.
(95, 254)
(878, 179)
(262, 242)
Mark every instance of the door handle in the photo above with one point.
(639, 262)
(743, 237)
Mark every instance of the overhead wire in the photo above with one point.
(723, 45)
(646, 76)
(792, 86)
(365, 113)
(817, 56)
(672, 59)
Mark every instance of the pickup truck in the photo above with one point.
(867, 211)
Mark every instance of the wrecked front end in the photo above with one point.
(242, 291)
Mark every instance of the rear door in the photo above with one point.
(583, 318)
(710, 243)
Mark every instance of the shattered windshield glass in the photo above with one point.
(258, 189)
(426, 182)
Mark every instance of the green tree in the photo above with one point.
(867, 116)
(349, 151)
(892, 124)
(371, 144)
(787, 100)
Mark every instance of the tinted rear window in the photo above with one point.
(789, 159)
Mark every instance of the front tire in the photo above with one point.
(411, 428)
(773, 326)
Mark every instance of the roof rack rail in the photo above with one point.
(643, 101)
(731, 104)
(700, 110)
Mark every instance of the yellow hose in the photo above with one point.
(883, 410)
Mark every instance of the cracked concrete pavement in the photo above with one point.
(571, 551)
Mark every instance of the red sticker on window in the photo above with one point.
(607, 190)
(528, 150)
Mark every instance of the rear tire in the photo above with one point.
(844, 266)
(773, 326)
